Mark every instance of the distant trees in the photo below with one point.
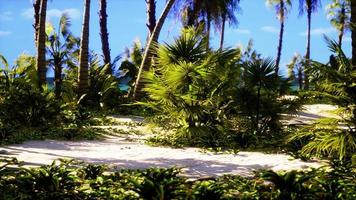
(353, 32)
(339, 13)
(83, 74)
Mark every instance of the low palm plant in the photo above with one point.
(336, 82)
(192, 86)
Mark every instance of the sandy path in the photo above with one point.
(125, 154)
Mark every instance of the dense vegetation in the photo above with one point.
(226, 98)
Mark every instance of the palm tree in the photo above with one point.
(353, 32)
(36, 9)
(41, 44)
(339, 13)
(61, 45)
(151, 16)
(83, 75)
(146, 61)
(104, 35)
(215, 12)
(308, 6)
(282, 8)
(228, 8)
(261, 74)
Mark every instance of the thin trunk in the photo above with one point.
(193, 14)
(41, 45)
(342, 23)
(281, 32)
(36, 9)
(208, 28)
(300, 78)
(104, 35)
(258, 107)
(307, 54)
(151, 16)
(57, 80)
(222, 36)
(147, 57)
(83, 75)
(353, 32)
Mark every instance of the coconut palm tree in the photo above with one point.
(61, 45)
(41, 44)
(353, 32)
(209, 12)
(339, 14)
(36, 9)
(146, 61)
(104, 35)
(83, 74)
(282, 8)
(151, 16)
(228, 9)
(308, 6)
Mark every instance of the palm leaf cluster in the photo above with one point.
(334, 81)
(192, 86)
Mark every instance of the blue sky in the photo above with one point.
(127, 19)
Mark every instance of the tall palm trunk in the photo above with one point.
(36, 9)
(222, 34)
(281, 32)
(193, 15)
(307, 54)
(208, 27)
(104, 35)
(342, 24)
(83, 75)
(57, 78)
(151, 16)
(147, 57)
(41, 44)
(353, 32)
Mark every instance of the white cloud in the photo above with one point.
(53, 13)
(6, 16)
(242, 31)
(319, 31)
(270, 29)
(5, 33)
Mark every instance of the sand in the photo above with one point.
(121, 152)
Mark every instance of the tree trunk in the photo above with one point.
(36, 9)
(281, 32)
(342, 23)
(146, 60)
(83, 75)
(104, 35)
(353, 32)
(57, 80)
(222, 34)
(258, 107)
(41, 45)
(151, 16)
(307, 54)
(208, 28)
(193, 16)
